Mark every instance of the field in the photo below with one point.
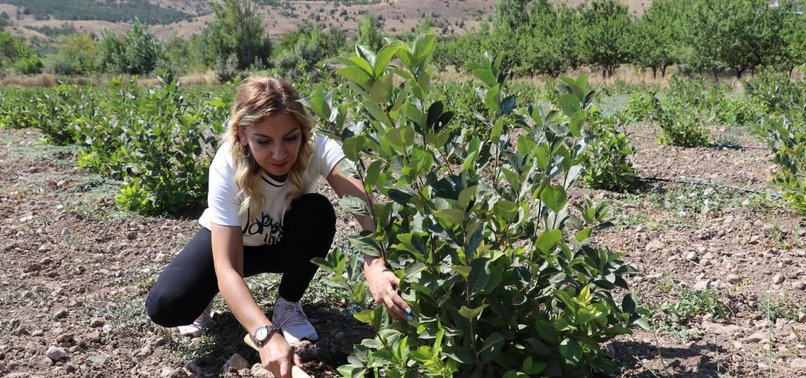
(723, 273)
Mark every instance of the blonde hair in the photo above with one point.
(259, 99)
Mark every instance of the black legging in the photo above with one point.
(188, 283)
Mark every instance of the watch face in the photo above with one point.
(262, 333)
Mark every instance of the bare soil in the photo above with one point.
(75, 273)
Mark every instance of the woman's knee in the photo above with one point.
(314, 209)
(167, 312)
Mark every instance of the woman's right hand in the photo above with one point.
(277, 356)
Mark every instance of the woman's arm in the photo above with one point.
(382, 281)
(276, 355)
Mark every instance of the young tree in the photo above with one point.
(370, 33)
(136, 52)
(652, 41)
(77, 54)
(603, 39)
(238, 31)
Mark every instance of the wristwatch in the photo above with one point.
(263, 334)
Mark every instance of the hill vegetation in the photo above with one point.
(111, 11)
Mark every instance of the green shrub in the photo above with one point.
(786, 137)
(641, 107)
(606, 161)
(477, 223)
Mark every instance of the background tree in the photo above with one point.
(306, 47)
(15, 54)
(77, 54)
(237, 30)
(370, 33)
(603, 38)
(651, 42)
(136, 52)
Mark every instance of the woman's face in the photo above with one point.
(274, 143)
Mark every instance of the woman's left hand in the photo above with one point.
(383, 285)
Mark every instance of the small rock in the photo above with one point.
(60, 313)
(94, 360)
(143, 352)
(160, 258)
(756, 337)
(733, 278)
(799, 285)
(778, 279)
(802, 317)
(32, 268)
(65, 232)
(259, 371)
(93, 337)
(56, 353)
(65, 338)
(654, 245)
(798, 364)
(702, 284)
(235, 363)
(692, 256)
(166, 372)
(721, 329)
(97, 322)
(42, 361)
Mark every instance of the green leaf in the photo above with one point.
(491, 98)
(472, 313)
(424, 46)
(548, 240)
(352, 147)
(569, 104)
(354, 205)
(365, 316)
(463, 270)
(571, 351)
(451, 216)
(384, 56)
(492, 342)
(486, 76)
(355, 74)
(554, 197)
(380, 89)
(583, 234)
(365, 245)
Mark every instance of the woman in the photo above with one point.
(263, 215)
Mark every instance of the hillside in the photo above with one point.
(48, 18)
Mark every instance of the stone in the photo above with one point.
(97, 322)
(654, 245)
(778, 279)
(799, 285)
(94, 360)
(60, 313)
(802, 317)
(756, 337)
(235, 363)
(798, 364)
(259, 371)
(702, 284)
(720, 329)
(56, 353)
(692, 256)
(143, 352)
(733, 278)
(160, 258)
(32, 268)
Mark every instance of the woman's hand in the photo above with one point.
(278, 357)
(383, 286)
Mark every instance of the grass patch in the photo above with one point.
(685, 305)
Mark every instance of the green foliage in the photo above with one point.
(652, 41)
(153, 140)
(237, 30)
(784, 129)
(686, 112)
(641, 107)
(15, 53)
(307, 47)
(77, 54)
(603, 39)
(472, 220)
(111, 11)
(606, 160)
(370, 33)
(136, 52)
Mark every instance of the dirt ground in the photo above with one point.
(723, 273)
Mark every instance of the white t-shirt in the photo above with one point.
(223, 200)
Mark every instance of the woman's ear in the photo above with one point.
(241, 137)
